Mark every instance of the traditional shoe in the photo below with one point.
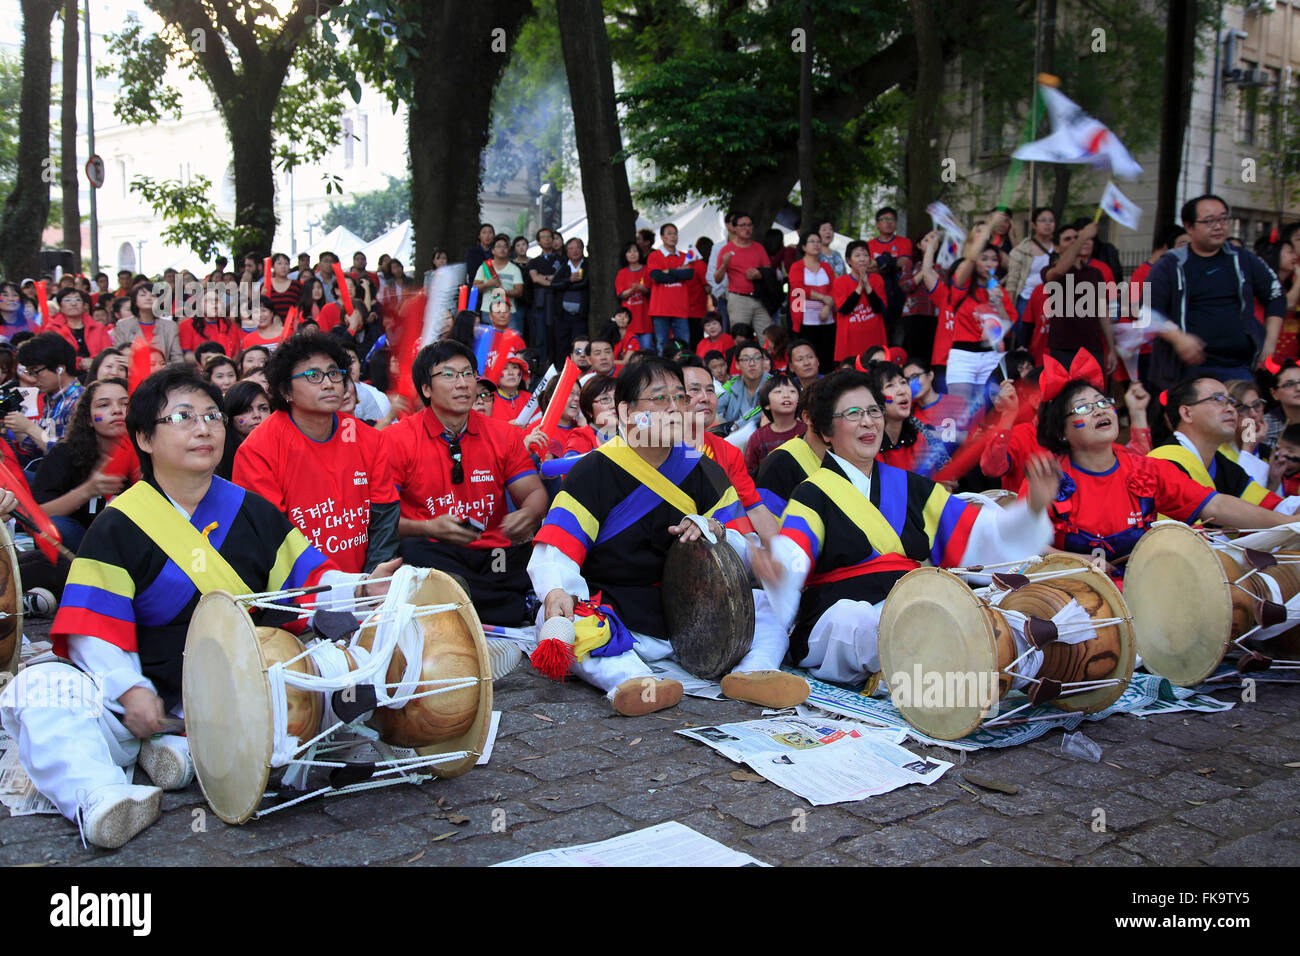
(114, 814)
(645, 695)
(166, 759)
(504, 656)
(769, 688)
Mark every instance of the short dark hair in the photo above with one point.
(922, 364)
(1181, 395)
(741, 330)
(150, 398)
(1052, 416)
(433, 355)
(1166, 237)
(635, 377)
(594, 388)
(691, 360)
(854, 246)
(822, 405)
(1188, 213)
(65, 293)
(1290, 434)
(216, 363)
(1039, 210)
(252, 348)
(712, 354)
(777, 380)
(93, 372)
(49, 349)
(881, 373)
(208, 348)
(293, 350)
(886, 209)
(740, 349)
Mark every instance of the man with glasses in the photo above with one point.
(51, 363)
(453, 469)
(149, 557)
(1203, 417)
(325, 470)
(580, 352)
(608, 534)
(1207, 290)
(741, 396)
(741, 260)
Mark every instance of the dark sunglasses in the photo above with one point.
(457, 469)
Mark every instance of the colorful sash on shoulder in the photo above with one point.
(658, 485)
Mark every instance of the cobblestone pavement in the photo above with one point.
(1186, 789)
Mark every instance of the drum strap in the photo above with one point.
(188, 548)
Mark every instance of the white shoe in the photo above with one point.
(503, 656)
(112, 815)
(39, 602)
(166, 759)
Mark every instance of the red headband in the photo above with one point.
(1055, 375)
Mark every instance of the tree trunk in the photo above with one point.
(611, 220)
(68, 135)
(250, 147)
(1180, 60)
(450, 118)
(1061, 173)
(921, 167)
(807, 182)
(28, 205)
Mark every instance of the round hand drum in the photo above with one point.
(947, 653)
(11, 605)
(708, 606)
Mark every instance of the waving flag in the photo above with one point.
(1120, 208)
(492, 349)
(1077, 138)
(952, 235)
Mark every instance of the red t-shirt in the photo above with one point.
(325, 488)
(628, 344)
(255, 338)
(492, 457)
(697, 291)
(752, 256)
(971, 313)
(941, 297)
(580, 441)
(508, 409)
(1035, 315)
(231, 339)
(732, 460)
(897, 247)
(329, 316)
(638, 302)
(860, 329)
(724, 343)
(668, 299)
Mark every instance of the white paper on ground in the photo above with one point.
(491, 739)
(17, 792)
(666, 844)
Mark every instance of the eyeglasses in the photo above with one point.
(579, 351)
(35, 370)
(749, 360)
(1213, 221)
(605, 400)
(1294, 383)
(663, 401)
(1222, 399)
(450, 375)
(457, 468)
(1101, 404)
(315, 376)
(854, 415)
(192, 419)
(1258, 405)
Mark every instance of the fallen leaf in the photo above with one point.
(1197, 803)
(458, 818)
(496, 798)
(417, 856)
(1205, 771)
(549, 720)
(538, 757)
(443, 836)
(988, 783)
(442, 801)
(553, 797)
(1115, 765)
(989, 862)
(968, 789)
(660, 777)
(1292, 765)
(745, 775)
(634, 741)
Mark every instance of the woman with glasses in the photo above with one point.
(15, 315)
(138, 576)
(596, 402)
(1244, 446)
(1109, 496)
(326, 471)
(608, 533)
(857, 525)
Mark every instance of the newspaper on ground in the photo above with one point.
(1146, 695)
(692, 686)
(666, 844)
(823, 760)
(491, 739)
(17, 792)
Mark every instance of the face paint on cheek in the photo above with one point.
(914, 386)
(642, 420)
(1079, 424)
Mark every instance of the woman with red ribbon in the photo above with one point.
(1108, 495)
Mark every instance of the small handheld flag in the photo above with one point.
(1119, 207)
(43, 301)
(1077, 138)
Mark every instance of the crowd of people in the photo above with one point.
(819, 412)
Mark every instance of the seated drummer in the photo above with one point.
(609, 531)
(1109, 496)
(858, 525)
(453, 469)
(324, 470)
(139, 574)
(790, 463)
(1203, 416)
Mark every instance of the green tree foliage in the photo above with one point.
(372, 214)
(191, 219)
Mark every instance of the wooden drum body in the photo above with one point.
(11, 605)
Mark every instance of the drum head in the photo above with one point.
(227, 707)
(938, 653)
(1181, 603)
(708, 607)
(11, 605)
(1114, 605)
(439, 588)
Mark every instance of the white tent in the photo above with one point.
(398, 242)
(340, 240)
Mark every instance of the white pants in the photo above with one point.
(843, 647)
(765, 654)
(69, 742)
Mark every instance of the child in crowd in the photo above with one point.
(779, 399)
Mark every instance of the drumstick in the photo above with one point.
(23, 519)
(173, 725)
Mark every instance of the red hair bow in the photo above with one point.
(1055, 375)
